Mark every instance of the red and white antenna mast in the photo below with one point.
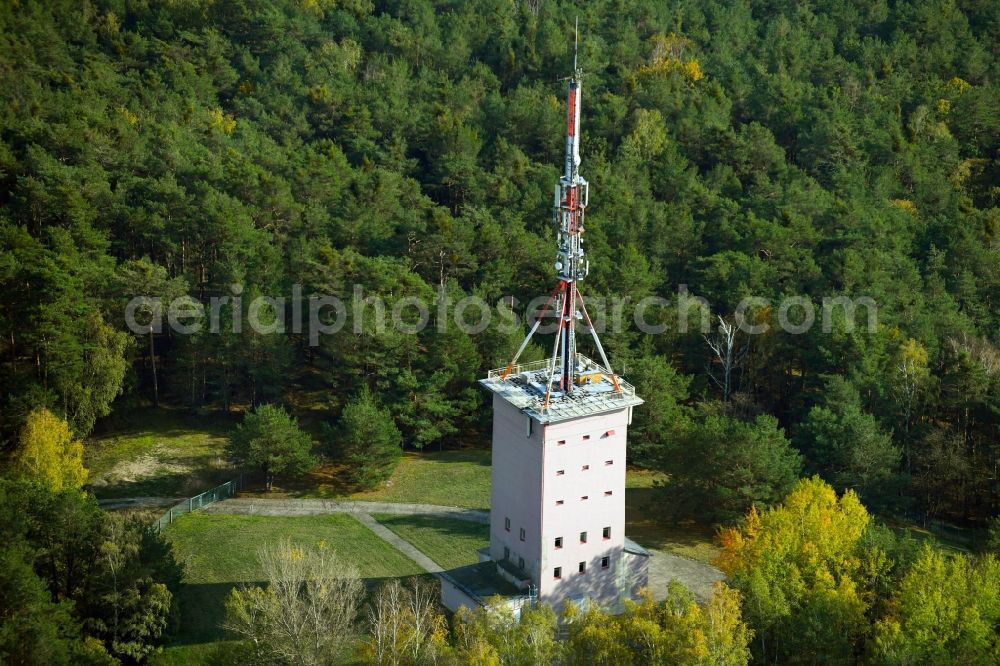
(571, 198)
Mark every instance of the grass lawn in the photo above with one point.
(159, 452)
(643, 525)
(449, 542)
(219, 551)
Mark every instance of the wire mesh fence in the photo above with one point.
(221, 492)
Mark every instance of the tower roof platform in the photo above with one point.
(593, 393)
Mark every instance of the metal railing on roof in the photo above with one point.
(587, 365)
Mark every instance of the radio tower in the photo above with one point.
(572, 194)
(557, 503)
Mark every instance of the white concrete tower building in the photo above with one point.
(557, 518)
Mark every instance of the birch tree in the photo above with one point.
(307, 613)
(727, 354)
(405, 626)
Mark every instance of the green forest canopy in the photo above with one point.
(748, 148)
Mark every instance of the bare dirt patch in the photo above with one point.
(143, 468)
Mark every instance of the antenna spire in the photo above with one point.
(576, 43)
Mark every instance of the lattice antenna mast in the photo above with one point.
(569, 205)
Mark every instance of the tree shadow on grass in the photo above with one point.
(439, 525)
(171, 484)
(166, 422)
(329, 479)
(647, 523)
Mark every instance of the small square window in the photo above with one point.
(607, 533)
(605, 562)
(520, 563)
(583, 537)
(559, 502)
(585, 468)
(586, 437)
(582, 567)
(585, 497)
(558, 542)
(608, 463)
(561, 442)
(522, 534)
(506, 524)
(557, 572)
(560, 472)
(607, 493)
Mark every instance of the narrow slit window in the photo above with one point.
(583, 537)
(608, 463)
(522, 534)
(605, 562)
(506, 524)
(559, 502)
(607, 493)
(582, 567)
(586, 437)
(561, 442)
(520, 563)
(560, 472)
(558, 543)
(584, 498)
(585, 468)
(607, 532)
(557, 572)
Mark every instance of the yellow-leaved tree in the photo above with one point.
(805, 575)
(674, 632)
(48, 453)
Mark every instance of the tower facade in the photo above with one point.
(557, 518)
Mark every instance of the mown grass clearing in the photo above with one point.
(449, 542)
(220, 551)
(159, 452)
(448, 478)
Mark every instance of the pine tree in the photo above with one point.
(368, 440)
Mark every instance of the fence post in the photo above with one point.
(170, 515)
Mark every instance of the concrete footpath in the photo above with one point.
(663, 566)
(319, 507)
(399, 543)
(696, 576)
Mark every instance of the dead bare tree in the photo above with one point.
(727, 354)
(980, 350)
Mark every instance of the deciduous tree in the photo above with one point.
(946, 610)
(306, 615)
(803, 573)
(405, 625)
(49, 454)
